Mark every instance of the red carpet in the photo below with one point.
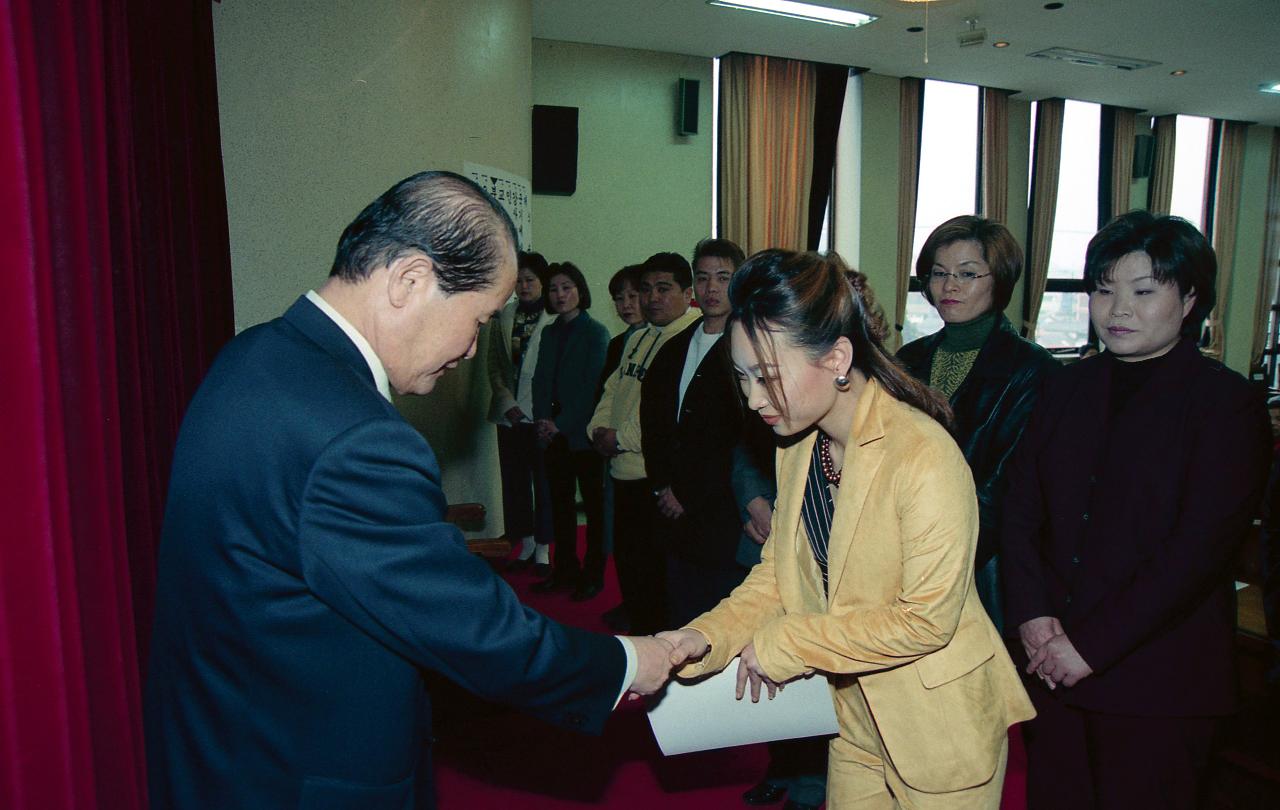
(490, 757)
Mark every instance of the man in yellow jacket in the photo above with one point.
(666, 290)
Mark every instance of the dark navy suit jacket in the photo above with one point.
(307, 579)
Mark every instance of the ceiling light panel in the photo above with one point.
(800, 11)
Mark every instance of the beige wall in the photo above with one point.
(641, 188)
(325, 105)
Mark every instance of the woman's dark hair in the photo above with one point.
(721, 249)
(1179, 254)
(533, 262)
(1000, 250)
(627, 275)
(570, 270)
(445, 216)
(814, 299)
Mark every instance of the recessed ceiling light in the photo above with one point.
(800, 11)
(915, 29)
(1053, 6)
(999, 43)
(1178, 72)
(1270, 88)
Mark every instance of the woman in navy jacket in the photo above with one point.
(564, 388)
(1131, 491)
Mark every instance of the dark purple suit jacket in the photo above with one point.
(1127, 528)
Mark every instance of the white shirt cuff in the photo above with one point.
(633, 666)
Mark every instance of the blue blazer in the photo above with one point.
(575, 377)
(307, 579)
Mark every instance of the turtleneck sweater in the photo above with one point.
(957, 352)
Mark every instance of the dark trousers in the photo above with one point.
(800, 766)
(583, 470)
(694, 587)
(526, 498)
(1082, 760)
(637, 557)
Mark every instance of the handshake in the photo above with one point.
(659, 655)
(664, 652)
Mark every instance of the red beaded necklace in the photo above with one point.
(824, 458)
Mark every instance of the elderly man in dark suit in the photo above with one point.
(307, 577)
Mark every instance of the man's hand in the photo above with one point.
(654, 668)
(686, 645)
(605, 441)
(1058, 661)
(761, 514)
(668, 505)
(514, 414)
(749, 670)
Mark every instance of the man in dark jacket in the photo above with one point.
(691, 420)
(307, 576)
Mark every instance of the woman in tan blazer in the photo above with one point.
(865, 580)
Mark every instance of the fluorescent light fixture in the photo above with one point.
(800, 11)
(1270, 88)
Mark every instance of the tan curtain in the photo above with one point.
(1269, 278)
(1160, 190)
(1122, 131)
(766, 150)
(1225, 216)
(995, 155)
(1046, 160)
(910, 113)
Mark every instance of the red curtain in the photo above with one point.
(115, 292)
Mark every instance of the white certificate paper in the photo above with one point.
(704, 715)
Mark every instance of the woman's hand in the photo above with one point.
(686, 645)
(749, 670)
(1058, 661)
(757, 528)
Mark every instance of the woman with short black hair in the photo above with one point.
(569, 363)
(988, 373)
(1130, 494)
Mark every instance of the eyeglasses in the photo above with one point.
(966, 277)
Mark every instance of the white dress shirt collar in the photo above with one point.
(375, 365)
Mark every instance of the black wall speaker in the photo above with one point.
(1144, 155)
(687, 107)
(555, 149)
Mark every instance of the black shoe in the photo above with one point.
(519, 564)
(542, 569)
(587, 589)
(790, 805)
(766, 793)
(554, 584)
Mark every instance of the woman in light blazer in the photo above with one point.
(867, 576)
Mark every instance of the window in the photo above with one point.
(948, 181)
(1192, 141)
(1064, 310)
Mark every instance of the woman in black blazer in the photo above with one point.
(1131, 491)
(564, 393)
(988, 373)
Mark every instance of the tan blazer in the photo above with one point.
(902, 619)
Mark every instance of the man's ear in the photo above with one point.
(688, 294)
(410, 275)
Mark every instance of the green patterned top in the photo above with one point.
(957, 352)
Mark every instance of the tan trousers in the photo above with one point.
(860, 776)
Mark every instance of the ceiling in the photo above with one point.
(1226, 47)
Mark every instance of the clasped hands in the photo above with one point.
(684, 646)
(1052, 655)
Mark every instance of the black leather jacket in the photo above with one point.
(991, 409)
